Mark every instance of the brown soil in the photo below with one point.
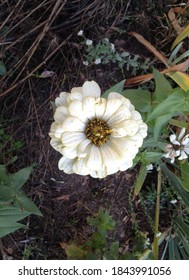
(67, 200)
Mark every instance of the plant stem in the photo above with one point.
(156, 248)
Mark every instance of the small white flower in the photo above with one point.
(158, 234)
(97, 61)
(86, 63)
(147, 242)
(80, 33)
(149, 167)
(89, 42)
(96, 136)
(180, 147)
(112, 47)
(174, 201)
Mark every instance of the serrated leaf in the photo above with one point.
(113, 252)
(140, 98)
(116, 88)
(163, 87)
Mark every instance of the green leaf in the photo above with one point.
(75, 252)
(160, 122)
(153, 156)
(140, 98)
(184, 33)
(113, 252)
(178, 101)
(26, 204)
(18, 179)
(182, 79)
(185, 175)
(171, 249)
(163, 87)
(3, 70)
(116, 88)
(173, 179)
(9, 215)
(4, 179)
(103, 221)
(140, 179)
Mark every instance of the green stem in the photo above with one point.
(156, 247)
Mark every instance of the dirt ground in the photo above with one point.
(26, 113)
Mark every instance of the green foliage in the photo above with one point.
(104, 52)
(14, 204)
(8, 145)
(99, 246)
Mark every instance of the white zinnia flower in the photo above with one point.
(179, 148)
(95, 136)
(88, 42)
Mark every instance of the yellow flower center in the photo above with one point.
(97, 131)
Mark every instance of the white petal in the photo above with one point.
(183, 155)
(136, 115)
(76, 94)
(126, 165)
(125, 147)
(77, 90)
(143, 128)
(109, 155)
(115, 95)
(89, 107)
(100, 107)
(80, 167)
(111, 107)
(120, 115)
(72, 138)
(186, 148)
(61, 100)
(73, 124)
(81, 149)
(98, 173)
(66, 164)
(95, 159)
(185, 140)
(172, 138)
(75, 108)
(55, 130)
(69, 152)
(182, 132)
(91, 89)
(57, 145)
(60, 114)
(125, 128)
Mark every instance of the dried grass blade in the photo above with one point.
(151, 48)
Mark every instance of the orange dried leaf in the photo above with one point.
(151, 48)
